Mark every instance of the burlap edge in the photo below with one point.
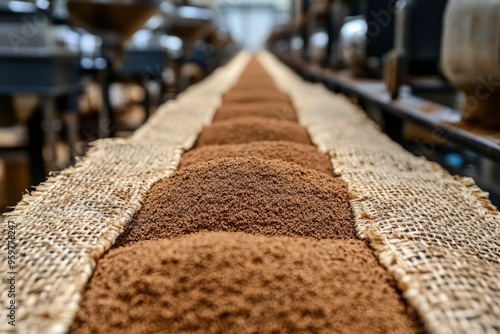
(105, 243)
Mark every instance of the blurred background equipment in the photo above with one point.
(77, 70)
(425, 71)
(114, 22)
(470, 60)
(414, 60)
(34, 60)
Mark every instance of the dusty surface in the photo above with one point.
(240, 283)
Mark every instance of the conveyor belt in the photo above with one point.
(436, 234)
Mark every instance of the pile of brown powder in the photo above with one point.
(254, 69)
(255, 77)
(255, 80)
(253, 84)
(255, 95)
(268, 197)
(239, 283)
(183, 264)
(306, 156)
(249, 129)
(268, 109)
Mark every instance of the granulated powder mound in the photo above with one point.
(249, 129)
(253, 79)
(252, 195)
(254, 84)
(239, 283)
(256, 75)
(254, 68)
(256, 95)
(306, 156)
(269, 109)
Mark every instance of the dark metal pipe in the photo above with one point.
(304, 32)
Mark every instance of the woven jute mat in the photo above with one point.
(64, 226)
(437, 234)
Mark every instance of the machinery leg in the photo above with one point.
(147, 101)
(393, 126)
(35, 148)
(106, 125)
(49, 112)
(72, 129)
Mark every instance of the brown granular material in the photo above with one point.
(255, 77)
(253, 84)
(240, 283)
(255, 81)
(254, 67)
(276, 110)
(306, 156)
(252, 195)
(249, 129)
(255, 95)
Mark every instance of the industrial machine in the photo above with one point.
(34, 61)
(470, 58)
(400, 60)
(367, 36)
(417, 48)
(317, 31)
(114, 21)
(343, 34)
(198, 25)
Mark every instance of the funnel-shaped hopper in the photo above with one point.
(115, 21)
(185, 20)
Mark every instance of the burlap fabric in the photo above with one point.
(437, 234)
(66, 224)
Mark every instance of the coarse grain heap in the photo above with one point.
(255, 95)
(253, 234)
(241, 283)
(276, 110)
(306, 156)
(255, 83)
(249, 129)
(267, 197)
